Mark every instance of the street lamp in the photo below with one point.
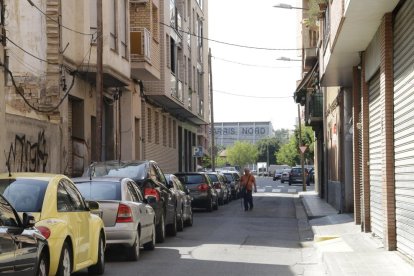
(289, 7)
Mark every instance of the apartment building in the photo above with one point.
(170, 63)
(365, 54)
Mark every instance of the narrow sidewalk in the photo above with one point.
(343, 248)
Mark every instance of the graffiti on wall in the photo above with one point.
(26, 155)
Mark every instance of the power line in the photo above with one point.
(253, 65)
(57, 21)
(234, 44)
(250, 96)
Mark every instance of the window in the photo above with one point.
(157, 127)
(168, 50)
(174, 134)
(190, 78)
(173, 56)
(170, 132)
(64, 202)
(200, 84)
(124, 28)
(200, 3)
(149, 125)
(164, 130)
(7, 216)
(74, 196)
(173, 13)
(185, 69)
(112, 26)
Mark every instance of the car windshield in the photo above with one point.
(296, 170)
(25, 195)
(100, 190)
(213, 177)
(229, 176)
(191, 179)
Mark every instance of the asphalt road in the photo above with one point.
(230, 241)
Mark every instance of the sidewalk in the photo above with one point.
(344, 249)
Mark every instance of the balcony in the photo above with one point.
(142, 66)
(349, 28)
(314, 109)
(310, 57)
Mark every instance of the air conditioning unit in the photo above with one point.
(139, 1)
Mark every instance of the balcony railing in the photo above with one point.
(140, 44)
(177, 88)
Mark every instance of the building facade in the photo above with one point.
(155, 98)
(226, 134)
(367, 78)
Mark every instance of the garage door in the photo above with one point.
(375, 156)
(404, 127)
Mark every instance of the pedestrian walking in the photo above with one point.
(248, 185)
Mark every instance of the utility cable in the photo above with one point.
(19, 91)
(253, 65)
(234, 44)
(249, 96)
(57, 21)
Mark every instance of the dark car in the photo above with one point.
(311, 175)
(234, 179)
(184, 210)
(23, 249)
(220, 184)
(296, 176)
(143, 173)
(277, 175)
(201, 190)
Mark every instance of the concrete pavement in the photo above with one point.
(343, 249)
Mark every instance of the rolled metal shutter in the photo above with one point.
(375, 157)
(404, 127)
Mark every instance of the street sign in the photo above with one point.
(198, 152)
(303, 148)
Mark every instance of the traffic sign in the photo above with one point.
(303, 148)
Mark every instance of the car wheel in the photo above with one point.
(65, 261)
(172, 228)
(99, 267)
(180, 224)
(133, 251)
(151, 244)
(210, 205)
(216, 206)
(189, 222)
(42, 267)
(282, 181)
(161, 230)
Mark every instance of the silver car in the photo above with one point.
(184, 210)
(129, 220)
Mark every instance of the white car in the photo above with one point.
(128, 218)
(285, 175)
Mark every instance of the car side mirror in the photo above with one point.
(94, 208)
(28, 220)
(150, 200)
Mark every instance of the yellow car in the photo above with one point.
(76, 237)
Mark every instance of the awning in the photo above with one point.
(300, 93)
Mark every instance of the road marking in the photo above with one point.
(292, 191)
(261, 190)
(276, 190)
(282, 186)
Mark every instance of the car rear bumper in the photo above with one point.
(121, 234)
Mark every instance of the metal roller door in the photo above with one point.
(404, 127)
(361, 178)
(375, 156)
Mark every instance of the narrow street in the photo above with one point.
(230, 241)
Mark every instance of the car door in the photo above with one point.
(167, 194)
(139, 210)
(18, 249)
(78, 219)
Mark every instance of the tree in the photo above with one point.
(268, 147)
(282, 136)
(290, 154)
(242, 153)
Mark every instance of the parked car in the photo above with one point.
(277, 175)
(220, 184)
(76, 237)
(234, 179)
(285, 175)
(145, 172)
(129, 220)
(184, 210)
(311, 175)
(201, 190)
(24, 250)
(296, 176)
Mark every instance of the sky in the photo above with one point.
(267, 87)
